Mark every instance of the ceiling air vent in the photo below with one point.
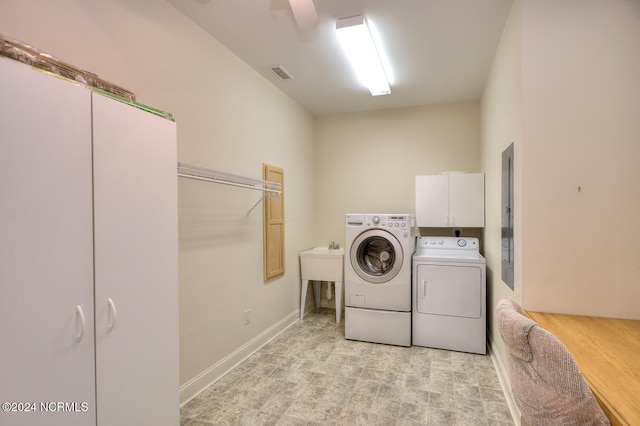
(282, 73)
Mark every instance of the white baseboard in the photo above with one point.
(503, 377)
(193, 387)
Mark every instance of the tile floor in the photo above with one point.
(311, 375)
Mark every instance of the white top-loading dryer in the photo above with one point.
(449, 294)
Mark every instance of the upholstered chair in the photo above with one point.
(545, 380)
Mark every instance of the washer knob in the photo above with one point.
(375, 219)
(462, 242)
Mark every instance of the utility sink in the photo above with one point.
(322, 264)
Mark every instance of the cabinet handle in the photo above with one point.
(113, 315)
(452, 220)
(81, 323)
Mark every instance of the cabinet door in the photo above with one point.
(432, 200)
(466, 200)
(46, 249)
(136, 255)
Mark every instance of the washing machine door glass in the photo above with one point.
(376, 256)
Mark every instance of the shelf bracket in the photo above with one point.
(255, 205)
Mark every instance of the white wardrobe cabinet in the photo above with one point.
(450, 200)
(88, 257)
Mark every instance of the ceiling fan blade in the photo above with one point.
(305, 13)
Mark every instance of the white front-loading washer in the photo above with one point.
(377, 277)
(449, 294)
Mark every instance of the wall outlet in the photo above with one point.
(247, 316)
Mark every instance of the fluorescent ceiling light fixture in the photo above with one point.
(356, 40)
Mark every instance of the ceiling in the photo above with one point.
(439, 51)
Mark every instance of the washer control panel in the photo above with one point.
(389, 221)
(448, 243)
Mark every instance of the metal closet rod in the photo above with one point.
(192, 171)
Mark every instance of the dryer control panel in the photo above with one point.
(448, 243)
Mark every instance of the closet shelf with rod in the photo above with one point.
(192, 171)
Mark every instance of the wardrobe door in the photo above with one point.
(46, 250)
(136, 265)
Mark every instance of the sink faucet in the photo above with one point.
(333, 246)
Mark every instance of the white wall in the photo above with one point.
(501, 126)
(228, 118)
(564, 87)
(367, 162)
(581, 180)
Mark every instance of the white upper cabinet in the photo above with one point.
(450, 200)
